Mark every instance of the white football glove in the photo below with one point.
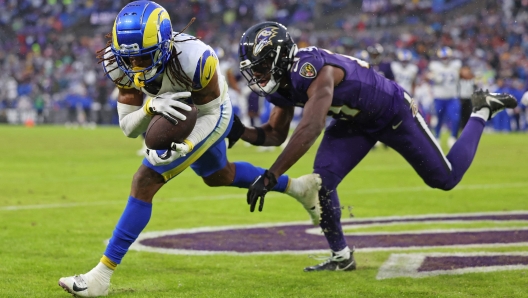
(177, 150)
(166, 105)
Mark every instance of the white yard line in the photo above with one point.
(241, 196)
(406, 265)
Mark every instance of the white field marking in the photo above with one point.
(240, 196)
(406, 265)
(149, 235)
(317, 231)
(119, 202)
(324, 252)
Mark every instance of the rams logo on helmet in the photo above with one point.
(263, 39)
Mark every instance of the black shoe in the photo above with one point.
(335, 263)
(495, 102)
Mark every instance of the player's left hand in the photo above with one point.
(259, 188)
(177, 150)
(181, 149)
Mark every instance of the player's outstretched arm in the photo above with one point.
(272, 133)
(320, 94)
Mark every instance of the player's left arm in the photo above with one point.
(320, 94)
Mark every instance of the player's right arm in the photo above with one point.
(272, 133)
(133, 119)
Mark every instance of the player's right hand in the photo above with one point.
(167, 105)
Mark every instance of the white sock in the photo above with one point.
(483, 113)
(344, 253)
(101, 273)
(292, 187)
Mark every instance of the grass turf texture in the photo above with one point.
(63, 190)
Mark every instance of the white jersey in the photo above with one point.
(198, 62)
(524, 99)
(445, 77)
(404, 75)
(424, 96)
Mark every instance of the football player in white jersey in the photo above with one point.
(145, 56)
(404, 71)
(445, 75)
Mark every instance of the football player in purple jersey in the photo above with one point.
(366, 108)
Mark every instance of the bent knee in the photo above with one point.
(223, 177)
(216, 180)
(146, 177)
(442, 184)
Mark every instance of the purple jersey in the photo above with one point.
(363, 97)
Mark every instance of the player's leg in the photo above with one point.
(417, 145)
(133, 220)
(146, 182)
(216, 170)
(342, 148)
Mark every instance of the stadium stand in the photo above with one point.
(48, 46)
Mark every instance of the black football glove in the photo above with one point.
(237, 129)
(259, 188)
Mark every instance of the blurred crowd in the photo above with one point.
(48, 47)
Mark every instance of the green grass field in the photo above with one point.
(63, 190)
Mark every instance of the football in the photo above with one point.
(161, 132)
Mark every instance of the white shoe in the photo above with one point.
(305, 189)
(84, 286)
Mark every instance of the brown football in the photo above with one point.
(161, 132)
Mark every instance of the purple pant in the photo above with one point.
(346, 143)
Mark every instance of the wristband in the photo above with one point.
(261, 136)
